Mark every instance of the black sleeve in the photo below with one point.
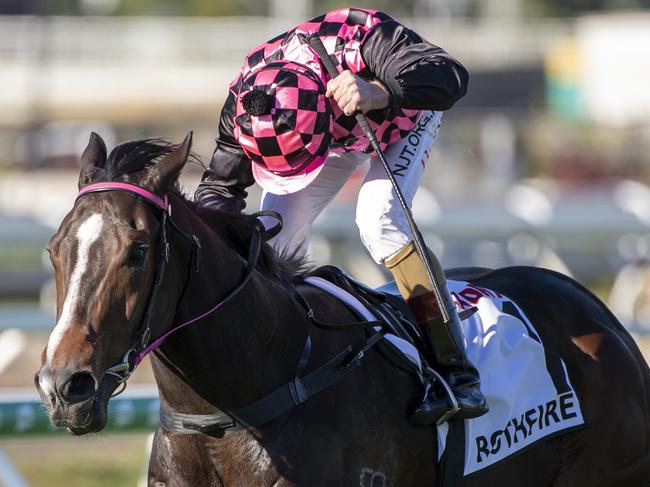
(417, 74)
(224, 183)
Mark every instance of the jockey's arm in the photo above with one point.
(225, 181)
(416, 73)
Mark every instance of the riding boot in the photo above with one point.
(446, 338)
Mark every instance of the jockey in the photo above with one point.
(291, 128)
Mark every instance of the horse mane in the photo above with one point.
(134, 158)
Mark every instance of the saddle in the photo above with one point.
(388, 293)
(386, 303)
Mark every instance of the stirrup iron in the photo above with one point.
(455, 407)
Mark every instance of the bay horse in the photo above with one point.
(134, 257)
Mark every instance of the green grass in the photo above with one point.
(96, 461)
(19, 257)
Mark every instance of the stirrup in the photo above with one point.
(453, 407)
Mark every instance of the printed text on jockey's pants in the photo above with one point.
(379, 217)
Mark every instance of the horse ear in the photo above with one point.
(169, 168)
(92, 160)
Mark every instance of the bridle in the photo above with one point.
(143, 343)
(279, 401)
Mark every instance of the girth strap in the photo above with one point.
(273, 404)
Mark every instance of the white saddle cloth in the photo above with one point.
(527, 388)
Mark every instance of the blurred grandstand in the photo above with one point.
(545, 162)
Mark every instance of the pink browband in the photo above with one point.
(161, 203)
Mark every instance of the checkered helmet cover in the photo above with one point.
(282, 119)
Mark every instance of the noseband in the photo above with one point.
(142, 345)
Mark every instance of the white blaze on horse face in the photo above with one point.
(87, 234)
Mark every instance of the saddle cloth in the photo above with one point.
(526, 386)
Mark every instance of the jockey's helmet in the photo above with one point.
(282, 123)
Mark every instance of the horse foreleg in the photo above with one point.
(159, 472)
(178, 461)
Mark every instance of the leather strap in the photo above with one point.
(272, 405)
(269, 233)
(353, 325)
(102, 186)
(254, 251)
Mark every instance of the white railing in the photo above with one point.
(486, 42)
(60, 66)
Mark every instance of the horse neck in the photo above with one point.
(241, 351)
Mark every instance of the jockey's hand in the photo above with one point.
(353, 94)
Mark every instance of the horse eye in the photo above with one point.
(137, 254)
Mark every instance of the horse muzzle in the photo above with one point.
(75, 400)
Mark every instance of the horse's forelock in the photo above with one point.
(132, 159)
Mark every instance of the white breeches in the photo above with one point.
(379, 217)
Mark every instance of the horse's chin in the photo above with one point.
(92, 421)
(85, 417)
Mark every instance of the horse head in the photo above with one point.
(106, 258)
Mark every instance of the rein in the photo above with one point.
(298, 390)
(142, 345)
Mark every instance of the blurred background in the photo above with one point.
(545, 162)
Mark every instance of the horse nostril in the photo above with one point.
(79, 387)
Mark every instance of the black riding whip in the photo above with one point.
(317, 45)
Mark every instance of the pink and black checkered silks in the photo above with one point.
(343, 32)
(283, 119)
